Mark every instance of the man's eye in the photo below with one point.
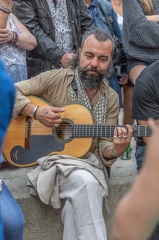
(103, 59)
(88, 56)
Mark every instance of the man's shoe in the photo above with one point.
(6, 165)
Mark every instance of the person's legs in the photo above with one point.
(12, 216)
(139, 155)
(82, 214)
(114, 84)
(135, 72)
(68, 219)
(127, 105)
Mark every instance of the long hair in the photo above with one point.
(148, 5)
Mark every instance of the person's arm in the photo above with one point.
(111, 148)
(86, 21)
(48, 116)
(115, 24)
(142, 32)
(138, 210)
(26, 40)
(38, 86)
(153, 18)
(3, 15)
(23, 38)
(121, 140)
(28, 13)
(145, 123)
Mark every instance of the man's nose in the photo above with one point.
(94, 62)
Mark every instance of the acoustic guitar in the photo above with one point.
(27, 139)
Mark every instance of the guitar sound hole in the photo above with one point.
(63, 132)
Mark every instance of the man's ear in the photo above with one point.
(79, 51)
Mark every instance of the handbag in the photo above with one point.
(119, 57)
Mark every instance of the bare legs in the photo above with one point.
(127, 105)
(128, 95)
(135, 72)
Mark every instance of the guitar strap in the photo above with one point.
(74, 86)
(105, 169)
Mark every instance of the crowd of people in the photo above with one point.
(63, 53)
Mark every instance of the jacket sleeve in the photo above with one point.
(115, 24)
(26, 12)
(139, 30)
(111, 14)
(86, 20)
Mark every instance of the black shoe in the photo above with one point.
(6, 165)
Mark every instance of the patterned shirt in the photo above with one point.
(14, 57)
(63, 31)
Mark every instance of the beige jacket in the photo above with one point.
(54, 87)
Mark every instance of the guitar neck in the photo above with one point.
(101, 130)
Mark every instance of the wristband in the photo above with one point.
(158, 18)
(114, 154)
(4, 9)
(35, 111)
(15, 37)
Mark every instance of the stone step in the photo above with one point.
(42, 222)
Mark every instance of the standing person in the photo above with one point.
(15, 39)
(81, 181)
(137, 212)
(99, 10)
(58, 26)
(146, 105)
(11, 216)
(127, 86)
(140, 34)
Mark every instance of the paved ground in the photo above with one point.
(43, 222)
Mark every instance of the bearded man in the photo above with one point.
(82, 182)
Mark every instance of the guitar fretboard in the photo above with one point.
(101, 130)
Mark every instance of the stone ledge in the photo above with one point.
(44, 222)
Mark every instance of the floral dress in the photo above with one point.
(14, 57)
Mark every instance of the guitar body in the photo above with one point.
(27, 139)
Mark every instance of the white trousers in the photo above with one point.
(82, 214)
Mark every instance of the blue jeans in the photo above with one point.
(114, 84)
(1, 231)
(139, 155)
(11, 215)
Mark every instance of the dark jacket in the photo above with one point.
(35, 15)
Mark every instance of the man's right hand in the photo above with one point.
(46, 115)
(49, 116)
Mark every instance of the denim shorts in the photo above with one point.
(139, 155)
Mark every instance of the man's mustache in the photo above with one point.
(92, 69)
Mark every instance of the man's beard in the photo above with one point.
(90, 81)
